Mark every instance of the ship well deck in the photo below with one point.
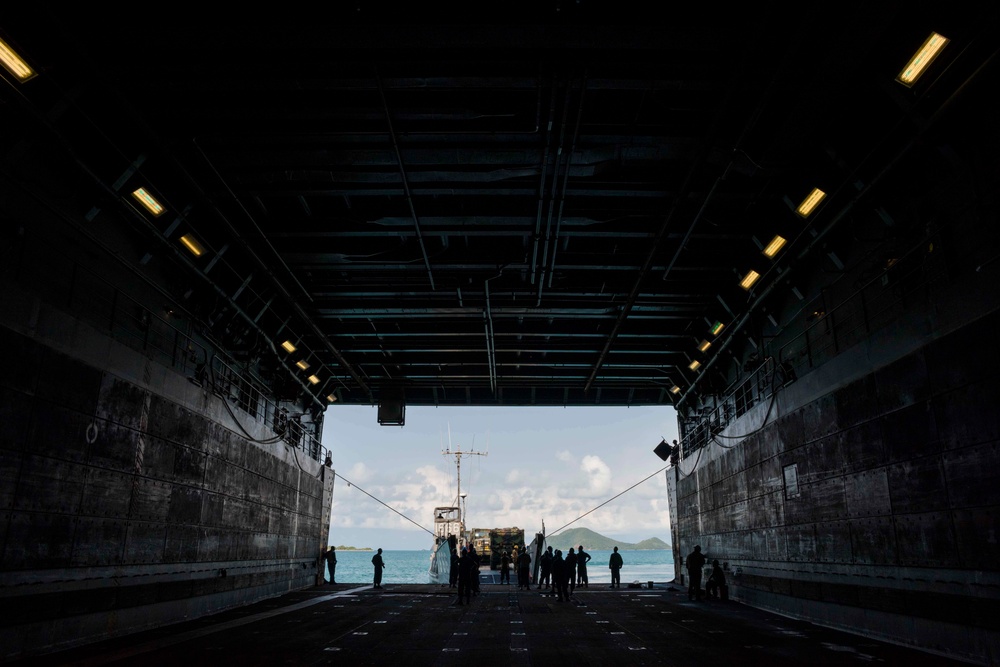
(414, 625)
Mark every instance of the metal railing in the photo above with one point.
(736, 401)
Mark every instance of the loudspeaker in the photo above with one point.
(662, 450)
(392, 412)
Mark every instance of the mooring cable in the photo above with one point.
(350, 483)
(608, 500)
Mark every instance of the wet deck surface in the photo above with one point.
(413, 625)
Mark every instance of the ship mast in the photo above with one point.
(458, 454)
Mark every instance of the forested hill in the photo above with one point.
(592, 541)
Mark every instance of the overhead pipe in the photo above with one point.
(562, 194)
(552, 199)
(406, 183)
(544, 179)
(490, 339)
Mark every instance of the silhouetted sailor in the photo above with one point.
(560, 576)
(582, 558)
(695, 563)
(331, 563)
(716, 583)
(571, 570)
(615, 563)
(465, 574)
(524, 570)
(379, 566)
(545, 562)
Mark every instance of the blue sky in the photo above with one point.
(540, 464)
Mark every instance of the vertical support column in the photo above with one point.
(672, 476)
(328, 475)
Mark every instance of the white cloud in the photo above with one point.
(598, 474)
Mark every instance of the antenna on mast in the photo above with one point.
(458, 454)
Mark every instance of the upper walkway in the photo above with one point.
(413, 625)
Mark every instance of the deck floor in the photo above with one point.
(413, 625)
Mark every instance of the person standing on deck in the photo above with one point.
(615, 563)
(716, 584)
(695, 564)
(504, 567)
(379, 566)
(571, 570)
(453, 572)
(465, 565)
(331, 562)
(582, 557)
(524, 571)
(560, 576)
(545, 562)
(474, 556)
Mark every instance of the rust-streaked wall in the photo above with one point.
(130, 497)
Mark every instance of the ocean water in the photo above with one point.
(411, 567)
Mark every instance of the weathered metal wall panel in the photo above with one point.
(105, 481)
(867, 504)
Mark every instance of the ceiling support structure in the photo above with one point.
(562, 193)
(405, 182)
(543, 180)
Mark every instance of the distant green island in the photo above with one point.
(343, 548)
(574, 537)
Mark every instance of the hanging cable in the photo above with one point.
(350, 483)
(609, 500)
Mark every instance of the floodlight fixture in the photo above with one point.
(810, 203)
(15, 64)
(192, 244)
(749, 279)
(922, 59)
(148, 201)
(775, 246)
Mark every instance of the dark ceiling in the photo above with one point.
(550, 204)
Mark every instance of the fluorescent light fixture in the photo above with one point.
(749, 279)
(694, 365)
(14, 63)
(289, 346)
(717, 328)
(331, 398)
(675, 390)
(148, 202)
(314, 379)
(810, 203)
(302, 363)
(704, 345)
(191, 243)
(922, 59)
(776, 244)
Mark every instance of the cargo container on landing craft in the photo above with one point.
(505, 539)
